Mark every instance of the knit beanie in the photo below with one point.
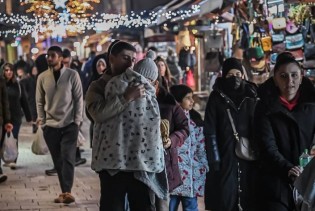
(180, 91)
(147, 66)
(229, 64)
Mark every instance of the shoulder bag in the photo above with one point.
(242, 146)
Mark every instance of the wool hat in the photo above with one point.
(147, 66)
(180, 91)
(229, 64)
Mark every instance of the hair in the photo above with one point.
(118, 46)
(56, 49)
(180, 91)
(168, 74)
(66, 53)
(13, 79)
(153, 48)
(41, 63)
(284, 59)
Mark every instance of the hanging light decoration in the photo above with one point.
(80, 8)
(40, 8)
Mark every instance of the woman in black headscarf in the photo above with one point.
(228, 182)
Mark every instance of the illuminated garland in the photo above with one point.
(97, 22)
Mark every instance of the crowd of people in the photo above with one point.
(150, 148)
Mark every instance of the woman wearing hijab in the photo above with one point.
(284, 128)
(229, 178)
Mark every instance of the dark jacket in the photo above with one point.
(179, 131)
(221, 191)
(18, 101)
(28, 83)
(282, 136)
(5, 116)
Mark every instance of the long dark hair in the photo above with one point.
(13, 79)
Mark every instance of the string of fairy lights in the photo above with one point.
(64, 17)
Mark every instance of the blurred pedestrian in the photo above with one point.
(172, 63)
(17, 101)
(166, 77)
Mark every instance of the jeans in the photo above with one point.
(114, 189)
(188, 203)
(62, 144)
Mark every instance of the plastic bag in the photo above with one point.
(9, 148)
(39, 146)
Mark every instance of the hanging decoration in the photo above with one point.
(41, 8)
(60, 4)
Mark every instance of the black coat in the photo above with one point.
(282, 136)
(18, 101)
(5, 116)
(221, 192)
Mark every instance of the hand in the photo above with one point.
(8, 127)
(294, 172)
(134, 92)
(39, 122)
(167, 143)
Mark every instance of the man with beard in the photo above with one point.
(59, 101)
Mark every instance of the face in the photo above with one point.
(123, 60)
(53, 59)
(20, 72)
(66, 62)
(162, 67)
(234, 72)
(288, 79)
(8, 73)
(100, 67)
(187, 102)
(34, 71)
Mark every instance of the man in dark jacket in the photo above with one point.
(4, 119)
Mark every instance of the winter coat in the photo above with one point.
(282, 136)
(18, 101)
(192, 161)
(172, 63)
(221, 192)
(5, 116)
(29, 85)
(179, 132)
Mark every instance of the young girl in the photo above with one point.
(192, 157)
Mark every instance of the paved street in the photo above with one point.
(28, 188)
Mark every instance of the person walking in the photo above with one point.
(18, 101)
(230, 178)
(59, 100)
(192, 158)
(284, 127)
(5, 119)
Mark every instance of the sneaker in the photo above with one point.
(60, 198)
(68, 198)
(3, 178)
(51, 172)
(80, 161)
(12, 166)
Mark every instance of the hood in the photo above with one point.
(172, 59)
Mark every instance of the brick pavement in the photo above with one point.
(28, 188)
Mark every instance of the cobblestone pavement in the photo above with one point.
(28, 188)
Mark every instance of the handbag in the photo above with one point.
(39, 146)
(294, 41)
(298, 54)
(81, 140)
(255, 51)
(277, 38)
(190, 80)
(243, 149)
(291, 28)
(279, 23)
(266, 43)
(278, 48)
(9, 150)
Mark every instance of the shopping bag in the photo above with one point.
(39, 146)
(190, 80)
(9, 150)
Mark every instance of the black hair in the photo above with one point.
(180, 91)
(41, 63)
(285, 58)
(66, 53)
(153, 48)
(117, 47)
(56, 49)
